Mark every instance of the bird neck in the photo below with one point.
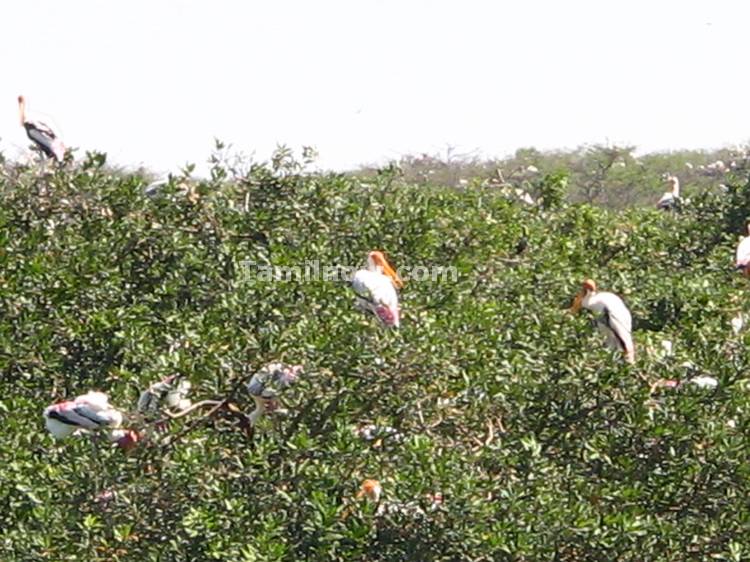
(260, 409)
(589, 300)
(22, 112)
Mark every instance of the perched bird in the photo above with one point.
(155, 188)
(670, 199)
(738, 322)
(704, 381)
(615, 321)
(265, 385)
(370, 489)
(170, 392)
(742, 262)
(41, 134)
(376, 289)
(373, 491)
(90, 411)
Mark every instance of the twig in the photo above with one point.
(490, 434)
(186, 411)
(219, 404)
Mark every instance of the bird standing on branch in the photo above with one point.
(43, 136)
(376, 289)
(615, 321)
(670, 199)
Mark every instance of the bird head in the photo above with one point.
(376, 260)
(673, 183)
(22, 109)
(126, 439)
(588, 286)
(371, 489)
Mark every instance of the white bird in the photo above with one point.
(742, 261)
(376, 289)
(155, 187)
(90, 411)
(615, 321)
(372, 490)
(704, 381)
(41, 134)
(738, 322)
(266, 383)
(671, 197)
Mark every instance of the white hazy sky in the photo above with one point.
(152, 82)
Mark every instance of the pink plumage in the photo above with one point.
(388, 316)
(89, 411)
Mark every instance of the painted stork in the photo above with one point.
(742, 262)
(90, 411)
(41, 134)
(370, 489)
(670, 199)
(266, 383)
(376, 289)
(615, 321)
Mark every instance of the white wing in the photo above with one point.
(743, 252)
(619, 314)
(93, 419)
(378, 294)
(619, 320)
(375, 287)
(95, 400)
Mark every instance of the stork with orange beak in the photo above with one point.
(370, 489)
(743, 254)
(671, 197)
(41, 134)
(615, 321)
(376, 289)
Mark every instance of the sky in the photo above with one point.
(153, 82)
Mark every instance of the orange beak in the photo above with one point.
(390, 272)
(577, 303)
(387, 268)
(371, 489)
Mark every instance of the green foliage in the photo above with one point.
(544, 444)
(610, 176)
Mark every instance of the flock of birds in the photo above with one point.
(376, 288)
(376, 292)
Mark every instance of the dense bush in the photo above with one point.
(544, 444)
(610, 176)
